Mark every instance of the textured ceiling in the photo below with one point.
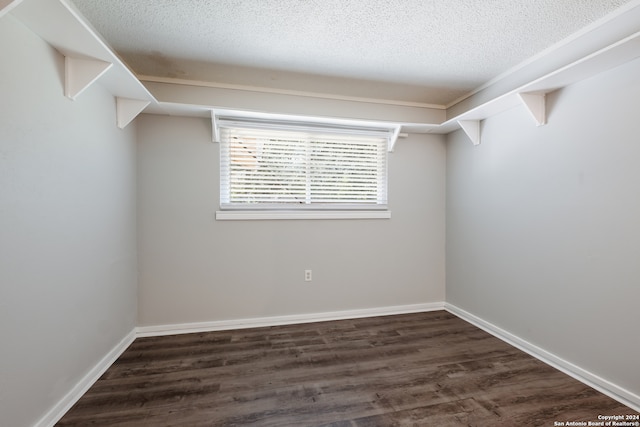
(429, 51)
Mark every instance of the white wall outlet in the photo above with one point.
(307, 275)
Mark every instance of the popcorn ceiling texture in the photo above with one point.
(415, 50)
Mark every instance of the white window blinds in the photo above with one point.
(267, 166)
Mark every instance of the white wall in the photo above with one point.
(543, 225)
(196, 269)
(67, 228)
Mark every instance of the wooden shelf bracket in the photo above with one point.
(128, 109)
(472, 129)
(536, 105)
(80, 73)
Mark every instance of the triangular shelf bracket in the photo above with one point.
(128, 109)
(393, 138)
(215, 130)
(536, 104)
(472, 129)
(80, 73)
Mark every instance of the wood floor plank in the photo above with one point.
(425, 369)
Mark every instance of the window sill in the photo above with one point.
(262, 215)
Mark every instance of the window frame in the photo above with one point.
(388, 132)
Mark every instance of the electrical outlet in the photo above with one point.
(307, 275)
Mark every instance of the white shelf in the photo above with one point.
(61, 25)
(604, 59)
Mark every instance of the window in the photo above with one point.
(279, 166)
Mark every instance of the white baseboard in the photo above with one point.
(612, 390)
(57, 412)
(257, 322)
(606, 387)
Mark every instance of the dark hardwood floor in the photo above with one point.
(426, 369)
